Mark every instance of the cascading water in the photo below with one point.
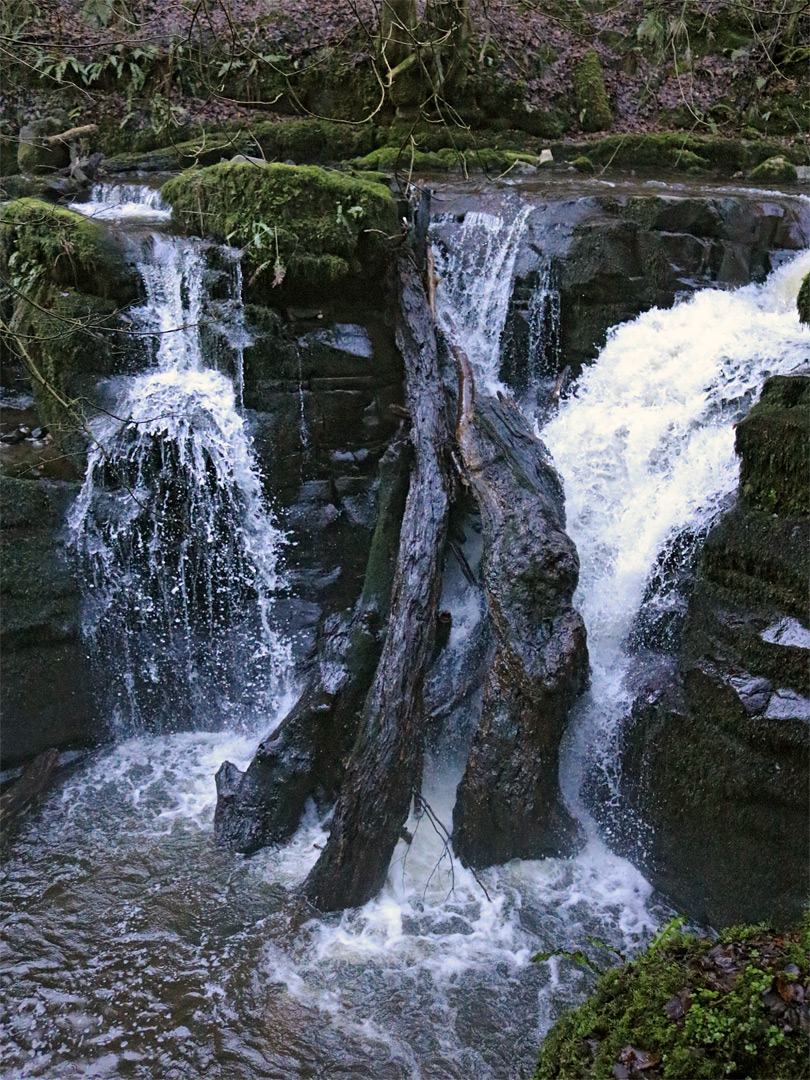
(646, 451)
(476, 284)
(179, 552)
(132, 947)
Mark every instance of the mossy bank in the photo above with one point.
(693, 1008)
(305, 230)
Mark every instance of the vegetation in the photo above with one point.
(302, 226)
(696, 1008)
(591, 97)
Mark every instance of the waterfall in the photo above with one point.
(180, 555)
(645, 447)
(131, 945)
(476, 265)
(121, 202)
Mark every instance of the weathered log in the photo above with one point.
(70, 134)
(508, 804)
(306, 755)
(386, 764)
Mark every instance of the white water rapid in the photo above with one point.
(132, 947)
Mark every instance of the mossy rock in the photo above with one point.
(774, 171)
(590, 93)
(72, 340)
(42, 245)
(803, 301)
(773, 442)
(303, 227)
(403, 159)
(584, 164)
(675, 150)
(34, 154)
(692, 1007)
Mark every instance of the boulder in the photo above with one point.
(37, 152)
(307, 233)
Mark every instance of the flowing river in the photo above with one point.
(130, 945)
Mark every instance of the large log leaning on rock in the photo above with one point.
(305, 756)
(508, 804)
(386, 764)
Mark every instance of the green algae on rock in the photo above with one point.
(303, 227)
(693, 1007)
(591, 97)
(68, 279)
(773, 442)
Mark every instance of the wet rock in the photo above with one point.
(47, 684)
(716, 762)
(613, 257)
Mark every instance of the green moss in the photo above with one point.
(675, 150)
(402, 159)
(730, 1023)
(591, 97)
(71, 342)
(803, 301)
(773, 442)
(302, 140)
(42, 245)
(583, 164)
(317, 226)
(774, 170)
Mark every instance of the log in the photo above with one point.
(385, 767)
(508, 804)
(70, 134)
(305, 757)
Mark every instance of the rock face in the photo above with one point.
(319, 393)
(47, 694)
(508, 804)
(606, 259)
(716, 761)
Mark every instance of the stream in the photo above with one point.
(131, 946)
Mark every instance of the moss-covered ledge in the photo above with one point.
(303, 228)
(694, 1008)
(66, 280)
(43, 245)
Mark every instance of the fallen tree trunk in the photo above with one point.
(305, 757)
(508, 804)
(386, 764)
